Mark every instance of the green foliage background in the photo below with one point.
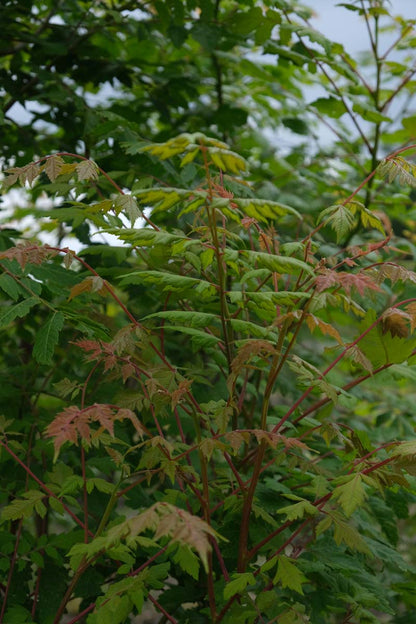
(215, 413)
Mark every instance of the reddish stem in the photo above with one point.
(85, 493)
(12, 565)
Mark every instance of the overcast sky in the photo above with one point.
(347, 27)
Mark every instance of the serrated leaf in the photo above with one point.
(384, 348)
(9, 313)
(289, 575)
(189, 157)
(267, 300)
(238, 584)
(128, 204)
(92, 283)
(277, 264)
(349, 535)
(169, 282)
(399, 168)
(56, 505)
(298, 510)
(199, 338)
(10, 286)
(330, 107)
(47, 338)
(188, 561)
(340, 218)
(350, 494)
(25, 507)
(313, 322)
(189, 319)
(264, 209)
(226, 160)
(404, 449)
(53, 167)
(165, 520)
(358, 356)
(87, 170)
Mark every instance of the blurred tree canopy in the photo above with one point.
(100, 77)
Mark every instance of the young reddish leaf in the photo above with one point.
(236, 439)
(53, 167)
(393, 272)
(411, 311)
(209, 445)
(166, 520)
(249, 350)
(30, 173)
(313, 322)
(12, 177)
(396, 322)
(74, 423)
(92, 283)
(27, 252)
(87, 170)
(360, 281)
(358, 356)
(181, 391)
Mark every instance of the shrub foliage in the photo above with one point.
(206, 398)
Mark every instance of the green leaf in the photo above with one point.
(298, 510)
(190, 319)
(351, 494)
(238, 584)
(289, 575)
(248, 328)
(278, 264)
(371, 115)
(25, 507)
(384, 348)
(264, 209)
(227, 160)
(164, 198)
(199, 338)
(267, 300)
(404, 449)
(187, 560)
(340, 218)
(9, 313)
(10, 286)
(330, 107)
(128, 204)
(244, 22)
(349, 535)
(47, 338)
(399, 168)
(169, 282)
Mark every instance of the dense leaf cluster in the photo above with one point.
(207, 397)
